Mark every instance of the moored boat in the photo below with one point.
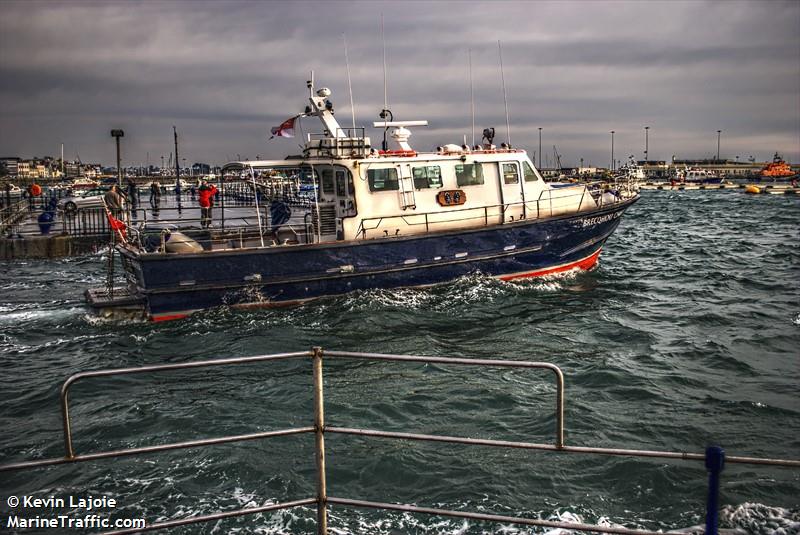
(84, 183)
(777, 168)
(696, 175)
(379, 219)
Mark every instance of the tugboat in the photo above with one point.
(777, 169)
(369, 219)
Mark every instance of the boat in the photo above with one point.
(381, 218)
(696, 175)
(631, 171)
(84, 183)
(777, 168)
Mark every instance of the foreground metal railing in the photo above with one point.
(714, 457)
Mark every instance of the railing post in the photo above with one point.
(715, 463)
(319, 428)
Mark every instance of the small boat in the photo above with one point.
(631, 171)
(777, 168)
(379, 219)
(84, 183)
(696, 175)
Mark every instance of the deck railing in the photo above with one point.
(714, 457)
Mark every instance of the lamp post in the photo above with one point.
(540, 146)
(719, 133)
(646, 144)
(612, 150)
(116, 134)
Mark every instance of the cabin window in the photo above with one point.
(327, 181)
(510, 173)
(427, 177)
(340, 184)
(469, 174)
(530, 174)
(383, 179)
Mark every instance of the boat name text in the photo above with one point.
(589, 221)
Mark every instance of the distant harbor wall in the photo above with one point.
(50, 246)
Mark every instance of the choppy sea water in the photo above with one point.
(687, 334)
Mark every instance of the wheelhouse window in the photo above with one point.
(382, 179)
(427, 177)
(510, 173)
(469, 174)
(530, 174)
(327, 181)
(340, 184)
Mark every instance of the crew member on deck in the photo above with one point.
(206, 201)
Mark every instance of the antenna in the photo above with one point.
(349, 83)
(471, 99)
(385, 92)
(385, 114)
(505, 99)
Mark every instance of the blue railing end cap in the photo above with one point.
(715, 458)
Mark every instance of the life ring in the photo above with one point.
(35, 190)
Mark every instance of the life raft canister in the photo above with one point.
(453, 197)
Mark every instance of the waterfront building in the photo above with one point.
(12, 165)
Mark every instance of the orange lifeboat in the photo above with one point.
(777, 168)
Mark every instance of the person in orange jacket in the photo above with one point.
(205, 199)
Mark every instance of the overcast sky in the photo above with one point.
(225, 72)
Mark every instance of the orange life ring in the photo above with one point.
(36, 190)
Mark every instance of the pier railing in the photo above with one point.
(714, 457)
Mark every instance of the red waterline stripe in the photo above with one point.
(168, 317)
(584, 264)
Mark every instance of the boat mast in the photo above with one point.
(177, 170)
(349, 84)
(317, 191)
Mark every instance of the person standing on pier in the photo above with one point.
(133, 192)
(155, 195)
(206, 201)
(115, 201)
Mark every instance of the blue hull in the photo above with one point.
(177, 284)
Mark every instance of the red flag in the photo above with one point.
(115, 223)
(286, 128)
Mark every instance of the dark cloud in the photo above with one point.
(225, 72)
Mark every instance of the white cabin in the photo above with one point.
(364, 193)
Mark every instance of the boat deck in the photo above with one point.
(120, 303)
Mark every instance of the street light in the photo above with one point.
(646, 143)
(116, 134)
(719, 133)
(612, 150)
